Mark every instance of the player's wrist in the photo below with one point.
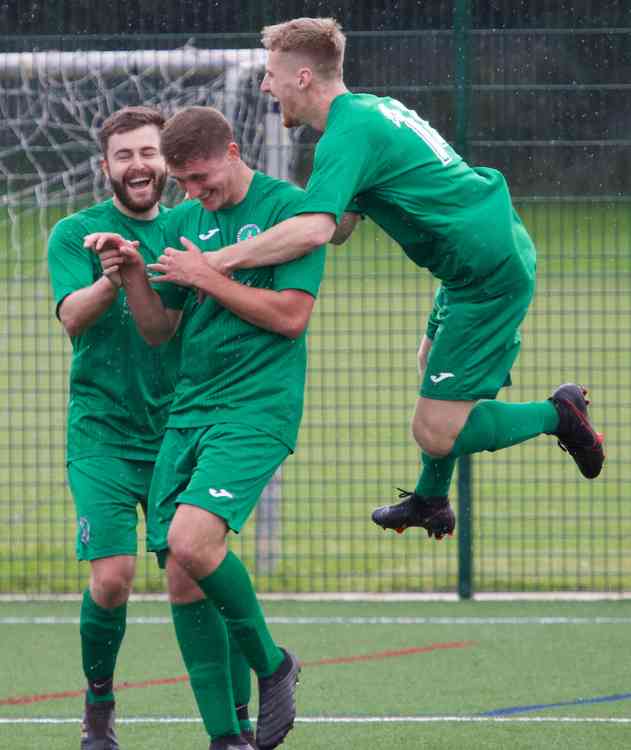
(116, 283)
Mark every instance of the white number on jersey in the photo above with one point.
(400, 115)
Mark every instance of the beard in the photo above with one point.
(121, 191)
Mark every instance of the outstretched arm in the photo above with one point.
(284, 312)
(286, 241)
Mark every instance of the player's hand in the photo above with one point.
(110, 265)
(100, 241)
(215, 261)
(182, 267)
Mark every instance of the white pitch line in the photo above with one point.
(355, 620)
(360, 720)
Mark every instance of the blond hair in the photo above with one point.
(320, 40)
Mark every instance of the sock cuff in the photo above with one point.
(102, 613)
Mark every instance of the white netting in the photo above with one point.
(52, 104)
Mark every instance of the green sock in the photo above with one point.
(203, 639)
(493, 425)
(241, 682)
(230, 589)
(102, 632)
(435, 476)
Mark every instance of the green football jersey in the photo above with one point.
(232, 370)
(120, 387)
(455, 220)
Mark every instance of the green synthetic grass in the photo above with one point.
(537, 525)
(514, 663)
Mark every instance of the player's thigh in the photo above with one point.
(476, 344)
(221, 469)
(107, 492)
(234, 464)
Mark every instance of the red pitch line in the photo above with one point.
(23, 700)
(389, 654)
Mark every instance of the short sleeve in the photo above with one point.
(341, 164)
(70, 265)
(304, 273)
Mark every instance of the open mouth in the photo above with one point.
(138, 183)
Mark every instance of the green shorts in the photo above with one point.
(477, 340)
(221, 468)
(107, 492)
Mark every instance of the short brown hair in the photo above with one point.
(320, 39)
(195, 133)
(127, 119)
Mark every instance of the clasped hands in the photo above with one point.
(118, 256)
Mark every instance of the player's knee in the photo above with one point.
(196, 556)
(182, 547)
(431, 439)
(111, 587)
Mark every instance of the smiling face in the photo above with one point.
(136, 170)
(285, 80)
(214, 181)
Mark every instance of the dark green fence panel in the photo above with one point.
(543, 95)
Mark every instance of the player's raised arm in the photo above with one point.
(285, 312)
(156, 322)
(82, 297)
(286, 241)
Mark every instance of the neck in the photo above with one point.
(322, 104)
(147, 215)
(243, 179)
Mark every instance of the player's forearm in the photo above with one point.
(282, 243)
(286, 313)
(83, 308)
(152, 318)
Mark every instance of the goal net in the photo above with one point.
(51, 106)
(53, 103)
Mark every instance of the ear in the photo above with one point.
(233, 151)
(104, 168)
(305, 76)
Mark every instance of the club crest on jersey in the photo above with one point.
(247, 231)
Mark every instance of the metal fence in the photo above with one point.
(539, 90)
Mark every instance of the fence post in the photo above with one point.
(462, 27)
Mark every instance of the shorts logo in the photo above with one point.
(247, 231)
(220, 493)
(441, 376)
(84, 530)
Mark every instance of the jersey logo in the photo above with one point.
(441, 376)
(208, 234)
(247, 231)
(220, 493)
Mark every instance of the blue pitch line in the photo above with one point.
(538, 707)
